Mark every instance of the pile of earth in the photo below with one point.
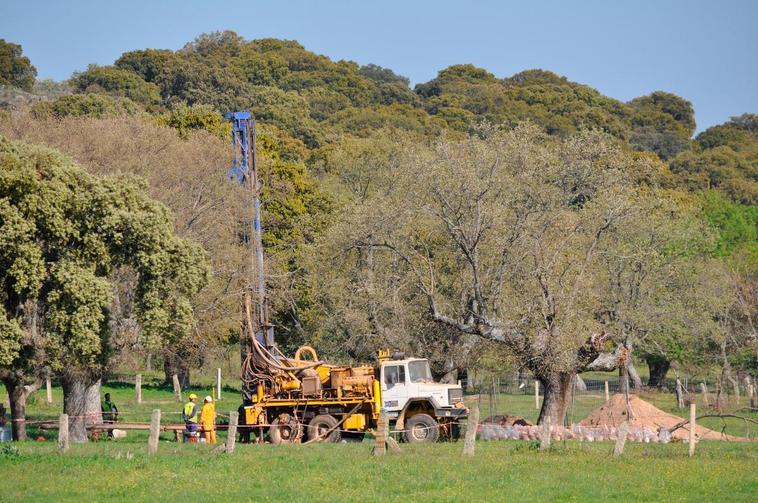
(646, 424)
(646, 416)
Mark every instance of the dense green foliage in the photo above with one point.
(65, 235)
(116, 82)
(85, 105)
(737, 224)
(15, 70)
(724, 158)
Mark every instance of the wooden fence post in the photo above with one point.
(537, 395)
(693, 415)
(63, 433)
(138, 388)
(380, 445)
(155, 432)
(621, 434)
(679, 394)
(231, 437)
(736, 386)
(49, 386)
(177, 387)
(704, 390)
(545, 437)
(218, 384)
(607, 392)
(472, 425)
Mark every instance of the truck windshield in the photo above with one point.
(419, 371)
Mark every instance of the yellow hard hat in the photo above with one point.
(193, 396)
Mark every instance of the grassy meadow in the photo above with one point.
(506, 470)
(500, 471)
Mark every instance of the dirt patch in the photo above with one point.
(643, 414)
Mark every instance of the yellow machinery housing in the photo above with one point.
(349, 396)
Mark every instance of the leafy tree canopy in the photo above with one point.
(65, 233)
(116, 82)
(85, 105)
(15, 70)
(725, 159)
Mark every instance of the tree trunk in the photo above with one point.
(557, 390)
(628, 370)
(81, 401)
(175, 364)
(659, 367)
(18, 394)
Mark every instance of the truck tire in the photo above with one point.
(421, 428)
(285, 429)
(319, 425)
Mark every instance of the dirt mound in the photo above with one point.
(614, 412)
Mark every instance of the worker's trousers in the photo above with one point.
(210, 434)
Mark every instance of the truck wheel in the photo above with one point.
(318, 427)
(285, 429)
(421, 428)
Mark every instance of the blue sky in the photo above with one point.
(706, 52)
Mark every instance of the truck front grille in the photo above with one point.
(455, 395)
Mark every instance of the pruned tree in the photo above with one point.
(502, 234)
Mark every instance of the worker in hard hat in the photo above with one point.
(190, 417)
(208, 420)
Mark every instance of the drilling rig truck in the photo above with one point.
(303, 399)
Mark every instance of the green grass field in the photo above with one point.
(506, 470)
(500, 471)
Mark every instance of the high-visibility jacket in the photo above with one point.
(208, 415)
(109, 409)
(189, 414)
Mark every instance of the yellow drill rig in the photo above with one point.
(289, 399)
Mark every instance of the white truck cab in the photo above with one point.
(419, 405)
